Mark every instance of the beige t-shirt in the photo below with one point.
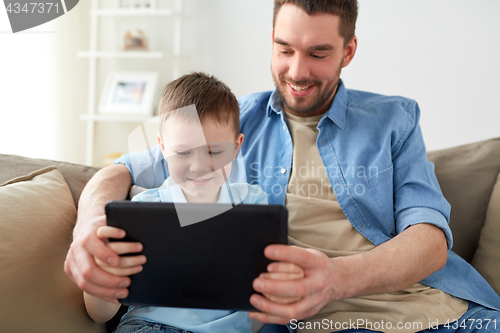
(328, 230)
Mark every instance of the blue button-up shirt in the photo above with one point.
(374, 154)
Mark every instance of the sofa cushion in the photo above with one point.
(38, 215)
(76, 176)
(467, 175)
(487, 257)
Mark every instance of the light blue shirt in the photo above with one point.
(374, 154)
(198, 320)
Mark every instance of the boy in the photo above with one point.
(199, 138)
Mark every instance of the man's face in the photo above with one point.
(308, 55)
(198, 155)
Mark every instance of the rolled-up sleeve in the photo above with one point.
(147, 168)
(417, 195)
(125, 160)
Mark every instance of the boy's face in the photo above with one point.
(198, 155)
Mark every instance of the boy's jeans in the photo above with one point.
(141, 326)
(474, 320)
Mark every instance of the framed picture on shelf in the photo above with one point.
(130, 93)
(135, 40)
(134, 36)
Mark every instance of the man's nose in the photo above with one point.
(299, 69)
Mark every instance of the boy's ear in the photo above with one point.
(237, 146)
(160, 142)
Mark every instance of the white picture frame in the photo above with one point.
(130, 93)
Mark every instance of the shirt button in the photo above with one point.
(283, 170)
(284, 127)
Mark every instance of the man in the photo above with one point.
(367, 217)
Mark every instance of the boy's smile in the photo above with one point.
(200, 182)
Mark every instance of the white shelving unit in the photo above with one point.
(120, 54)
(115, 118)
(94, 55)
(132, 12)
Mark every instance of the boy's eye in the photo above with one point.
(215, 152)
(183, 153)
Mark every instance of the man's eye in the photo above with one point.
(183, 153)
(318, 56)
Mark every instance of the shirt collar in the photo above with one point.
(274, 104)
(225, 198)
(171, 192)
(336, 112)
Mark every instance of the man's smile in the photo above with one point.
(300, 91)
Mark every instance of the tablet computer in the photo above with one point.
(207, 265)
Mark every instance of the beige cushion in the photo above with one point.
(487, 257)
(76, 176)
(467, 175)
(37, 217)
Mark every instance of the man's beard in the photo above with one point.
(319, 102)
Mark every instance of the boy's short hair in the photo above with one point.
(210, 96)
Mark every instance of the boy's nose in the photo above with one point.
(201, 164)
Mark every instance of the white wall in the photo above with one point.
(43, 87)
(445, 54)
(232, 40)
(442, 53)
(27, 103)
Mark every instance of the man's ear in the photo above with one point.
(350, 51)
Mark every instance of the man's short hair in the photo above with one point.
(347, 10)
(211, 97)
